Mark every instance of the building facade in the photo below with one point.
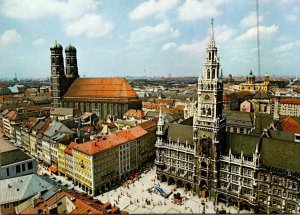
(14, 162)
(103, 96)
(253, 164)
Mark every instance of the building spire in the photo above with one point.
(212, 35)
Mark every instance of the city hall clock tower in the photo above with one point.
(209, 122)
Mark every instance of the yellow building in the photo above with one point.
(61, 160)
(83, 169)
(70, 161)
(99, 164)
(250, 84)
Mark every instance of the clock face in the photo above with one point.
(206, 97)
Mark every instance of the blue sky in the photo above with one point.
(148, 38)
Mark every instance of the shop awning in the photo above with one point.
(53, 169)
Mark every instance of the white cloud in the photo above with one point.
(294, 16)
(148, 33)
(264, 31)
(196, 9)
(250, 20)
(196, 47)
(169, 46)
(289, 1)
(10, 37)
(35, 9)
(285, 47)
(223, 33)
(90, 25)
(152, 7)
(39, 41)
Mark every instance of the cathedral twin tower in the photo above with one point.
(61, 80)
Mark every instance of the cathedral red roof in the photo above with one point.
(91, 89)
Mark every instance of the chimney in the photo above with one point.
(33, 202)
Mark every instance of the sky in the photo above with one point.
(149, 38)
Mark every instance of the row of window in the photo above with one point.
(18, 167)
(7, 205)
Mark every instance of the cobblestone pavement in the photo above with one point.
(132, 196)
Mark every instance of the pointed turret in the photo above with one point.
(160, 123)
(212, 43)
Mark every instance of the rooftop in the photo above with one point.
(20, 188)
(100, 88)
(11, 154)
(96, 146)
(78, 204)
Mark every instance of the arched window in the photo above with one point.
(213, 74)
(203, 164)
(209, 111)
(208, 74)
(52, 59)
(209, 56)
(203, 111)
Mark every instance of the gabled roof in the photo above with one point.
(20, 188)
(280, 154)
(241, 142)
(244, 119)
(149, 125)
(100, 88)
(56, 128)
(30, 123)
(10, 154)
(182, 132)
(10, 114)
(62, 111)
(68, 150)
(135, 113)
(289, 101)
(38, 126)
(95, 146)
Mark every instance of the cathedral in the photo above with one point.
(103, 96)
(256, 172)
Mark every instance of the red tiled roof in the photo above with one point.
(150, 124)
(88, 128)
(10, 114)
(135, 113)
(53, 169)
(180, 107)
(290, 101)
(95, 146)
(297, 90)
(84, 204)
(152, 105)
(161, 101)
(44, 127)
(103, 88)
(290, 124)
(68, 150)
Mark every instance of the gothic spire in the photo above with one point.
(160, 117)
(212, 35)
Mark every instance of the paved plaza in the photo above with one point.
(134, 196)
(138, 196)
